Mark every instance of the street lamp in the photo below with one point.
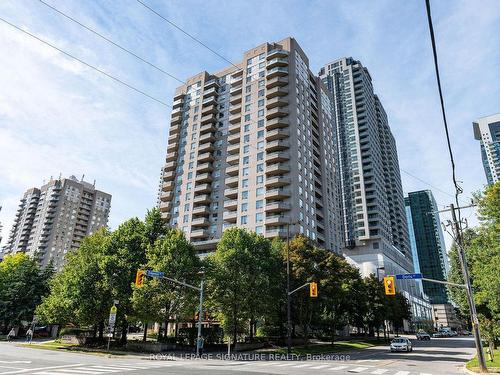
(288, 296)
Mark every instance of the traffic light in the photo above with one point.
(313, 289)
(139, 278)
(390, 286)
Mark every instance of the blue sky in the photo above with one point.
(57, 116)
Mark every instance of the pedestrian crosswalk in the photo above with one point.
(277, 367)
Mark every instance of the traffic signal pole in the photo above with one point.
(160, 275)
(470, 295)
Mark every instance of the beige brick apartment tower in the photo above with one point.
(53, 219)
(253, 147)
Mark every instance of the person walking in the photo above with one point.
(11, 334)
(29, 335)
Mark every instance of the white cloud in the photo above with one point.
(58, 116)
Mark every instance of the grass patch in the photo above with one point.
(493, 366)
(341, 346)
(54, 345)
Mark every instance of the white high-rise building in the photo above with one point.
(487, 131)
(52, 220)
(253, 146)
(374, 228)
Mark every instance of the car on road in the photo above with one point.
(437, 334)
(401, 344)
(422, 335)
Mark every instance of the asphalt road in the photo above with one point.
(435, 357)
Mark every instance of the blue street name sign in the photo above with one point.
(406, 276)
(154, 273)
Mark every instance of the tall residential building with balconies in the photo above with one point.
(52, 220)
(374, 228)
(253, 145)
(487, 131)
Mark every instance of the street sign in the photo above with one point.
(112, 318)
(154, 273)
(407, 276)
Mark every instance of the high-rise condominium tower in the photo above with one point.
(487, 130)
(427, 243)
(374, 227)
(53, 219)
(253, 145)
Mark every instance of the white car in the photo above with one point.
(401, 344)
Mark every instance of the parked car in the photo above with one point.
(464, 332)
(422, 335)
(437, 334)
(401, 344)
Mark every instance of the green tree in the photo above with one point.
(376, 304)
(398, 309)
(126, 253)
(159, 300)
(22, 285)
(482, 249)
(241, 279)
(80, 293)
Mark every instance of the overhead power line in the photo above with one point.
(87, 64)
(111, 41)
(428, 184)
(458, 189)
(186, 33)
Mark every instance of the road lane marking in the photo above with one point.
(305, 365)
(359, 369)
(318, 367)
(82, 370)
(39, 369)
(402, 373)
(15, 361)
(379, 371)
(338, 368)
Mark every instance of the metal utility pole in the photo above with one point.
(288, 296)
(200, 319)
(470, 296)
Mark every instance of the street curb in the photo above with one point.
(467, 371)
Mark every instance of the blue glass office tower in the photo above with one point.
(427, 243)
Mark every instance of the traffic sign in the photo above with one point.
(154, 273)
(407, 276)
(112, 318)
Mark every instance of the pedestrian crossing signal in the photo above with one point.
(139, 278)
(390, 286)
(313, 289)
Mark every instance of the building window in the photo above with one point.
(260, 167)
(260, 180)
(259, 204)
(244, 194)
(244, 207)
(259, 229)
(259, 217)
(243, 219)
(259, 191)
(244, 183)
